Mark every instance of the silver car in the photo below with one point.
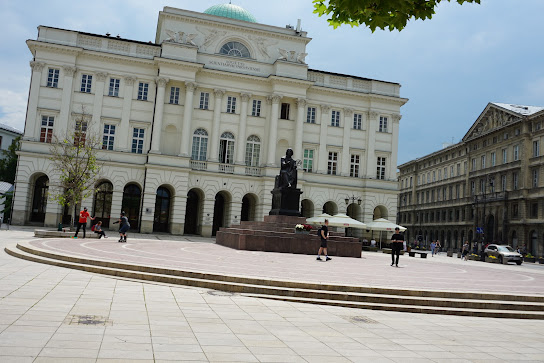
(504, 253)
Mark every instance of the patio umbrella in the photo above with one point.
(345, 221)
(320, 219)
(382, 224)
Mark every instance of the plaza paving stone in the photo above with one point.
(152, 322)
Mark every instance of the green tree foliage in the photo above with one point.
(75, 160)
(8, 161)
(5, 207)
(382, 14)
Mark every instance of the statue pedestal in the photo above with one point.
(285, 202)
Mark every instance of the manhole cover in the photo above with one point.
(361, 319)
(219, 293)
(92, 320)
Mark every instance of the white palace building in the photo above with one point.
(194, 125)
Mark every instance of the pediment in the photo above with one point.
(491, 119)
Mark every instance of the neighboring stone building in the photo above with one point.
(489, 187)
(194, 125)
(7, 135)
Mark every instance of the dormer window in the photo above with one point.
(235, 49)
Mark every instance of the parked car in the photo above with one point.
(504, 253)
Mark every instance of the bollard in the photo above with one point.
(59, 228)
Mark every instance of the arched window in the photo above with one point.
(102, 203)
(235, 49)
(131, 204)
(200, 145)
(39, 200)
(226, 148)
(253, 150)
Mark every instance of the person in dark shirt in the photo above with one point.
(123, 227)
(397, 242)
(324, 234)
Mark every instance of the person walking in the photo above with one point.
(464, 251)
(83, 215)
(397, 244)
(433, 247)
(438, 247)
(98, 229)
(324, 234)
(124, 225)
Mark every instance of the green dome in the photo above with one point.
(231, 11)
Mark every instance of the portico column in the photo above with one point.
(32, 129)
(187, 119)
(124, 126)
(214, 155)
(97, 106)
(301, 105)
(67, 85)
(157, 120)
(323, 156)
(273, 130)
(371, 123)
(395, 147)
(348, 114)
(242, 130)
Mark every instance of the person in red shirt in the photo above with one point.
(83, 215)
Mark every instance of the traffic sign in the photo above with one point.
(479, 230)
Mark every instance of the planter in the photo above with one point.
(370, 249)
(450, 253)
(541, 260)
(529, 259)
(459, 254)
(412, 254)
(301, 232)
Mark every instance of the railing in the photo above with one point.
(491, 197)
(199, 165)
(226, 168)
(253, 171)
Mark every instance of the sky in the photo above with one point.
(449, 67)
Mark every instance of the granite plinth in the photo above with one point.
(285, 201)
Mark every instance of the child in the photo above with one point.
(98, 229)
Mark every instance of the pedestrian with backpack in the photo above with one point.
(124, 226)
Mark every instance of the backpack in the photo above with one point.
(92, 227)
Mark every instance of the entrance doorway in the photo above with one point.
(162, 210)
(192, 213)
(131, 204)
(102, 204)
(39, 200)
(218, 213)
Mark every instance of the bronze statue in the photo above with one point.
(288, 172)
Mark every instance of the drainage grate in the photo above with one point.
(93, 320)
(361, 319)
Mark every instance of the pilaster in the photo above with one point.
(65, 107)
(323, 156)
(214, 147)
(345, 167)
(301, 106)
(273, 132)
(124, 127)
(394, 147)
(97, 106)
(242, 130)
(371, 122)
(187, 119)
(32, 128)
(159, 110)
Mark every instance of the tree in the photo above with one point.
(5, 207)
(8, 161)
(383, 14)
(75, 160)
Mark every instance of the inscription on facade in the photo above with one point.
(235, 65)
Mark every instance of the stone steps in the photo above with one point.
(404, 300)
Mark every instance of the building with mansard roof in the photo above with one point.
(194, 125)
(487, 188)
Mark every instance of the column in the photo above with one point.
(301, 106)
(187, 119)
(371, 122)
(32, 129)
(148, 209)
(94, 127)
(214, 147)
(207, 216)
(66, 99)
(159, 110)
(116, 207)
(345, 167)
(322, 157)
(395, 147)
(235, 208)
(273, 130)
(124, 131)
(242, 130)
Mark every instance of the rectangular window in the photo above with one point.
(439, 174)
(114, 87)
(451, 171)
(86, 82)
(434, 175)
(354, 168)
(204, 100)
(53, 78)
(138, 140)
(515, 180)
(256, 110)
(174, 95)
(46, 131)
(473, 164)
(231, 104)
(483, 161)
(534, 210)
(505, 136)
(357, 121)
(516, 152)
(504, 156)
(285, 108)
(515, 210)
(310, 115)
(335, 118)
(80, 133)
(109, 137)
(503, 183)
(308, 160)
(535, 178)
(493, 159)
(143, 89)
(472, 187)
(536, 148)
(482, 186)
(380, 169)
(332, 163)
(383, 124)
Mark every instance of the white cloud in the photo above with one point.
(13, 108)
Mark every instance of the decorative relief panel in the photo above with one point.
(318, 78)
(86, 41)
(339, 81)
(361, 85)
(150, 51)
(119, 46)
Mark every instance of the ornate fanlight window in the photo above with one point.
(235, 49)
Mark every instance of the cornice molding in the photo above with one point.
(59, 48)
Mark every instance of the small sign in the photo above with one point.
(479, 230)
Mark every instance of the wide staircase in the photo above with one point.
(361, 297)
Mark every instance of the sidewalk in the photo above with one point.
(51, 314)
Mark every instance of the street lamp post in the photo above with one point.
(353, 199)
